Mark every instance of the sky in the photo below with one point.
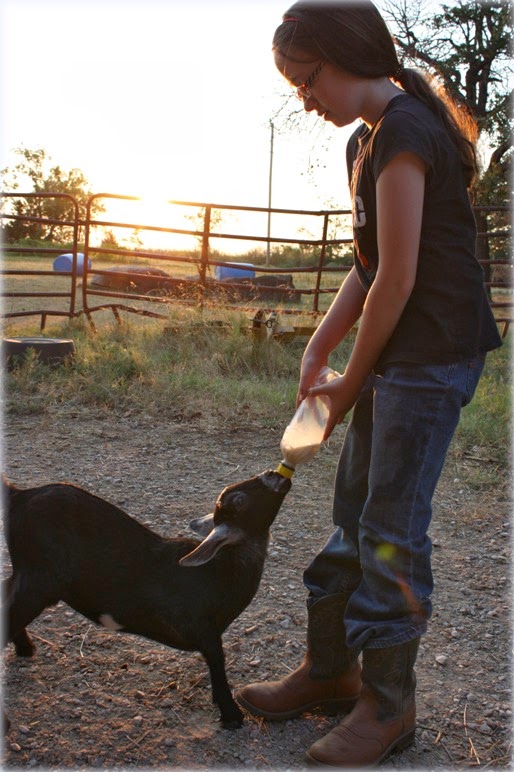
(164, 99)
(162, 96)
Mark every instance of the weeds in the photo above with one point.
(209, 361)
(484, 429)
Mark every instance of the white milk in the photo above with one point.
(303, 436)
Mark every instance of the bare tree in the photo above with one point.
(468, 44)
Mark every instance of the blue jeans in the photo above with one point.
(393, 453)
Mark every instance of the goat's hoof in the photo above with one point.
(23, 644)
(232, 723)
(233, 720)
(25, 651)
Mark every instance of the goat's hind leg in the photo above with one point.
(20, 608)
(231, 715)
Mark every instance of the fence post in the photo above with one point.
(321, 262)
(483, 254)
(205, 248)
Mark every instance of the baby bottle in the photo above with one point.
(303, 436)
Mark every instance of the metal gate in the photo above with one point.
(73, 292)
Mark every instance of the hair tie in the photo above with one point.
(289, 18)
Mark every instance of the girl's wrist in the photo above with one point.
(354, 381)
(313, 359)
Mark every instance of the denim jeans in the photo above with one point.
(393, 453)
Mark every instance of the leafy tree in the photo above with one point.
(35, 173)
(468, 44)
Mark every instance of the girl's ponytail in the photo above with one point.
(457, 118)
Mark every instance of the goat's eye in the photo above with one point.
(239, 501)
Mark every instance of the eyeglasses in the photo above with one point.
(303, 92)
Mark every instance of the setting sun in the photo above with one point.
(148, 101)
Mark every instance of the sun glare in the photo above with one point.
(144, 222)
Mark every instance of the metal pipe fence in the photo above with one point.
(138, 289)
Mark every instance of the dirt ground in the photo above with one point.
(95, 698)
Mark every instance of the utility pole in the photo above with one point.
(269, 191)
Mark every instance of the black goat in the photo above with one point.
(67, 544)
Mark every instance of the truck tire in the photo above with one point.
(50, 351)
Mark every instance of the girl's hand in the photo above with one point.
(342, 397)
(344, 311)
(311, 367)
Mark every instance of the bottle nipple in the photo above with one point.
(285, 470)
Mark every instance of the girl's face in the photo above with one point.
(334, 95)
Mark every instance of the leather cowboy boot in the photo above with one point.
(384, 718)
(328, 678)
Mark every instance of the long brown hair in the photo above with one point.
(353, 36)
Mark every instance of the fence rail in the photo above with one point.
(81, 286)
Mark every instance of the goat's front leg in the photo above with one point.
(231, 715)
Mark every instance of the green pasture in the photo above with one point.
(59, 283)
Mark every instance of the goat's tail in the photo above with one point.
(9, 491)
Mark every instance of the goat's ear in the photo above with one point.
(219, 537)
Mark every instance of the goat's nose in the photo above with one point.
(202, 525)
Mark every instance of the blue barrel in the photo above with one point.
(234, 271)
(65, 263)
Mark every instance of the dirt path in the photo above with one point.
(94, 698)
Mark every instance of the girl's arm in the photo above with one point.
(400, 194)
(344, 311)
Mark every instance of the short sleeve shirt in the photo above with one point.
(447, 317)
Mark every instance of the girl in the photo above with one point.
(424, 327)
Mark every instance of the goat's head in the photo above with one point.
(243, 510)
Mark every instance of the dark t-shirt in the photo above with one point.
(447, 317)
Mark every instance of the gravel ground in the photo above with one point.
(94, 698)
